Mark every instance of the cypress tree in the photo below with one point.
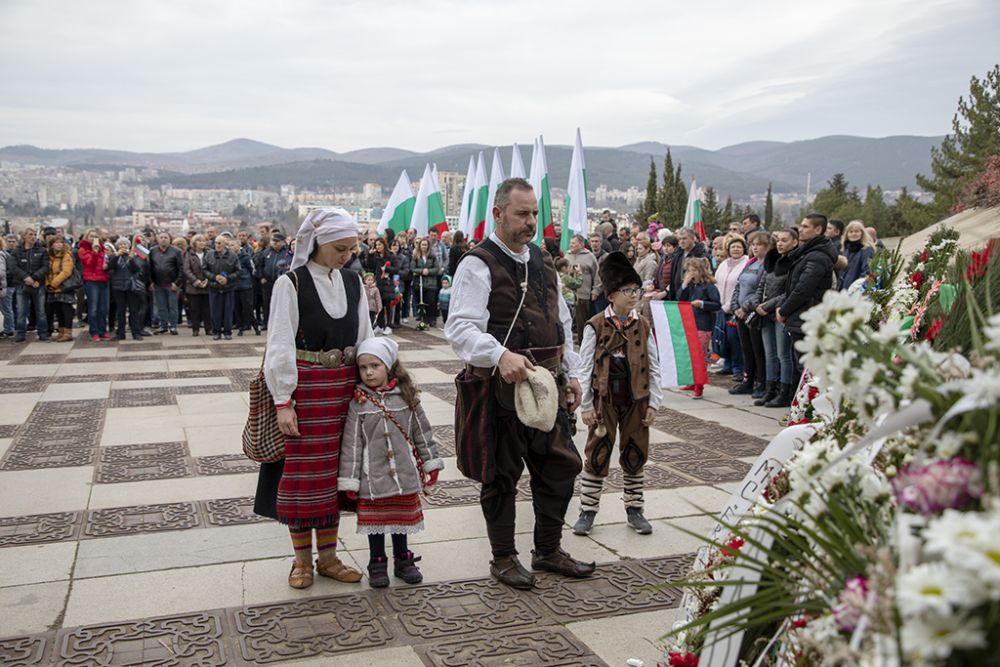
(648, 207)
(769, 208)
(680, 198)
(664, 197)
(710, 210)
(727, 212)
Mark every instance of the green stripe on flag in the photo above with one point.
(400, 220)
(682, 355)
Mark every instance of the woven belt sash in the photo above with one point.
(329, 358)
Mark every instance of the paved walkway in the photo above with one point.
(127, 537)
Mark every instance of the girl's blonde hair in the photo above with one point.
(761, 236)
(866, 238)
(407, 388)
(702, 270)
(199, 237)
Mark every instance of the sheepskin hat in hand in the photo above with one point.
(617, 272)
(537, 400)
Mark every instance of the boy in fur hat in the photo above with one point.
(620, 378)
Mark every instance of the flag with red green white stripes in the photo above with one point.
(681, 359)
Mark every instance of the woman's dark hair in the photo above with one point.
(407, 388)
(458, 238)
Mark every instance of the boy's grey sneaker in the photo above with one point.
(585, 523)
(637, 521)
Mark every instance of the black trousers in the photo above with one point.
(127, 301)
(752, 346)
(584, 311)
(265, 290)
(243, 310)
(201, 314)
(553, 464)
(58, 310)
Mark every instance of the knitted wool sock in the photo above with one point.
(302, 543)
(633, 490)
(590, 492)
(326, 543)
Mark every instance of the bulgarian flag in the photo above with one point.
(575, 209)
(539, 179)
(516, 166)
(496, 178)
(681, 360)
(399, 209)
(428, 210)
(692, 215)
(463, 214)
(477, 215)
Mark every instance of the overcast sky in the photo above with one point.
(420, 74)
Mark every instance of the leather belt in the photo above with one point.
(546, 357)
(329, 358)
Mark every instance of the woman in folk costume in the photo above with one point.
(319, 313)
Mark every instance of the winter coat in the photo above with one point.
(377, 466)
(401, 266)
(374, 298)
(418, 264)
(376, 265)
(588, 272)
(245, 280)
(771, 289)
(124, 269)
(858, 256)
(708, 294)
(94, 261)
(677, 268)
(646, 266)
(811, 275)
(225, 264)
(454, 256)
(3, 270)
(746, 286)
(33, 262)
(141, 277)
(60, 269)
(194, 271)
(725, 279)
(166, 266)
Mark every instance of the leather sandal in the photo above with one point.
(301, 575)
(562, 563)
(509, 571)
(335, 569)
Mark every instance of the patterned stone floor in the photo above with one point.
(127, 536)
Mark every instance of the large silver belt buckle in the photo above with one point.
(331, 358)
(350, 355)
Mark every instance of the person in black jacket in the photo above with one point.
(243, 289)
(31, 265)
(271, 263)
(166, 265)
(400, 278)
(811, 275)
(689, 246)
(126, 271)
(222, 268)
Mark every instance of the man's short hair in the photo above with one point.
(579, 239)
(836, 224)
(818, 220)
(503, 193)
(686, 231)
(754, 218)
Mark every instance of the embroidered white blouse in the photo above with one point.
(588, 344)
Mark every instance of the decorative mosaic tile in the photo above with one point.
(198, 373)
(145, 396)
(655, 477)
(448, 609)
(321, 626)
(446, 392)
(235, 350)
(23, 385)
(541, 647)
(50, 457)
(669, 452)
(453, 492)
(241, 377)
(22, 651)
(739, 447)
(444, 437)
(666, 569)
(224, 464)
(37, 359)
(141, 519)
(39, 528)
(8, 430)
(151, 346)
(191, 639)
(201, 389)
(73, 379)
(714, 470)
(135, 471)
(160, 451)
(231, 511)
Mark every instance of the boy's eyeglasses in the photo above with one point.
(631, 291)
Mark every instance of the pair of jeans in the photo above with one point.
(772, 362)
(7, 307)
(98, 297)
(221, 305)
(165, 303)
(734, 357)
(28, 298)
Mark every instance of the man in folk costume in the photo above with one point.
(509, 323)
(620, 377)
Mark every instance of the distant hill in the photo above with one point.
(740, 170)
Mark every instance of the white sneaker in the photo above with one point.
(406, 320)
(387, 331)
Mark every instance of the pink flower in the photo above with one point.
(850, 604)
(939, 486)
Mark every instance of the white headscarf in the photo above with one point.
(322, 225)
(386, 349)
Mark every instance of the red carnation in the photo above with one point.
(732, 546)
(933, 330)
(917, 279)
(800, 622)
(682, 659)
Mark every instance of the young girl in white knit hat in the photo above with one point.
(387, 457)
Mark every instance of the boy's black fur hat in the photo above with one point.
(617, 272)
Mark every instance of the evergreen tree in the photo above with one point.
(679, 200)
(837, 201)
(664, 197)
(975, 136)
(648, 207)
(727, 212)
(710, 211)
(769, 209)
(875, 212)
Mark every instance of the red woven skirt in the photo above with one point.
(385, 516)
(307, 494)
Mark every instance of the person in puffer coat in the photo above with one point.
(387, 457)
(222, 268)
(779, 359)
(126, 271)
(742, 305)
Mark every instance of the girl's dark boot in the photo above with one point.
(406, 569)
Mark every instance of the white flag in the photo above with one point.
(470, 187)
(575, 213)
(516, 166)
(496, 178)
(399, 210)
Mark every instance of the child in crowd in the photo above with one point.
(571, 279)
(387, 456)
(699, 288)
(374, 297)
(620, 379)
(444, 298)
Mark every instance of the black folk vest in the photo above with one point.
(318, 331)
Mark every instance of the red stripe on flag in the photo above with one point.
(441, 227)
(477, 234)
(549, 232)
(694, 346)
(699, 228)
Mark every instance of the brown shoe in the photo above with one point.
(335, 569)
(508, 570)
(301, 575)
(562, 563)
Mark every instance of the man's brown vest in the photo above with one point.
(538, 324)
(632, 341)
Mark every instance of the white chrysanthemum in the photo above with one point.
(992, 333)
(907, 381)
(948, 444)
(983, 386)
(955, 367)
(970, 541)
(882, 652)
(936, 587)
(930, 636)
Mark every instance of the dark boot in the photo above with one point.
(759, 389)
(743, 387)
(771, 390)
(562, 563)
(378, 572)
(784, 397)
(508, 570)
(404, 567)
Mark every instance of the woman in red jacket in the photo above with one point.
(96, 283)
